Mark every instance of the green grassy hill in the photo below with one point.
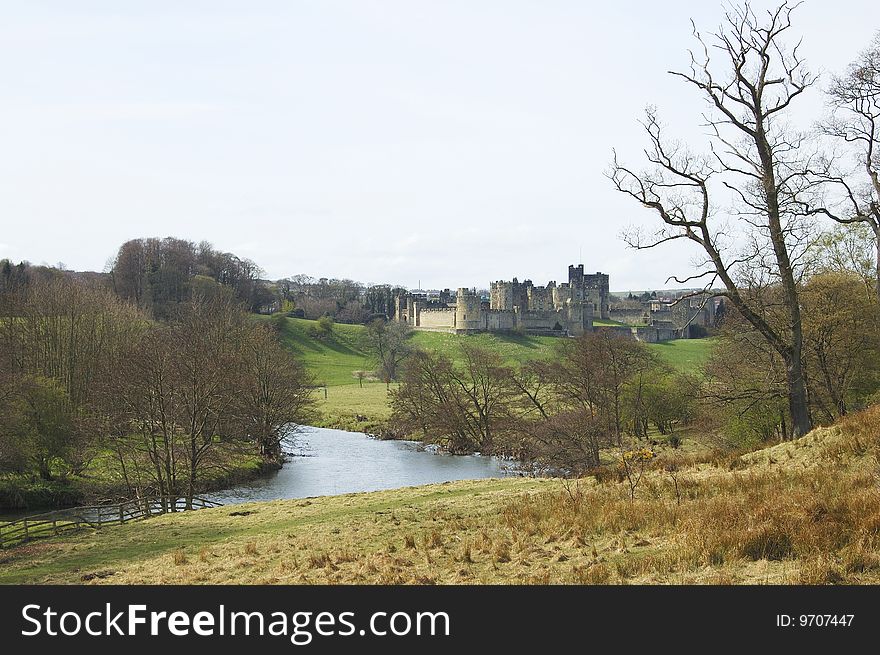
(805, 511)
(686, 355)
(333, 362)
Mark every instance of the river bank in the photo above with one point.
(357, 408)
(759, 518)
(328, 462)
(20, 494)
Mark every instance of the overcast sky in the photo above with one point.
(447, 142)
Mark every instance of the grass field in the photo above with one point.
(334, 362)
(805, 511)
(686, 355)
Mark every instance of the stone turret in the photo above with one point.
(411, 311)
(468, 315)
(501, 296)
(579, 317)
(596, 290)
(576, 282)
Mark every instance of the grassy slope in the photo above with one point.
(800, 512)
(685, 354)
(334, 361)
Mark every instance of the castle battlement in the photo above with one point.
(566, 308)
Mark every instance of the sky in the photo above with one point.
(413, 142)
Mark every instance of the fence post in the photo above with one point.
(121, 514)
(26, 537)
(54, 525)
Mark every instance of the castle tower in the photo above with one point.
(411, 311)
(596, 289)
(521, 294)
(400, 309)
(576, 282)
(468, 315)
(501, 296)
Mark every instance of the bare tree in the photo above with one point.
(594, 374)
(757, 165)
(464, 406)
(274, 394)
(386, 342)
(854, 100)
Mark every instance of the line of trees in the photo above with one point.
(85, 374)
(597, 391)
(157, 275)
(346, 301)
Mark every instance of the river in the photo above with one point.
(328, 462)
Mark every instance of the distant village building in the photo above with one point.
(690, 316)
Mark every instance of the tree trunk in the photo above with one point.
(797, 395)
(45, 471)
(876, 227)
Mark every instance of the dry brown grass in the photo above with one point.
(806, 511)
(812, 506)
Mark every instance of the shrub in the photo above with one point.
(322, 329)
(277, 322)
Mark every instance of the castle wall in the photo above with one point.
(540, 299)
(547, 321)
(690, 312)
(500, 320)
(648, 334)
(437, 318)
(630, 316)
(560, 295)
(664, 316)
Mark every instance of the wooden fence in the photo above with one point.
(61, 521)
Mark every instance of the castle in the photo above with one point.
(566, 309)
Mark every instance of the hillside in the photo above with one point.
(333, 362)
(806, 511)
